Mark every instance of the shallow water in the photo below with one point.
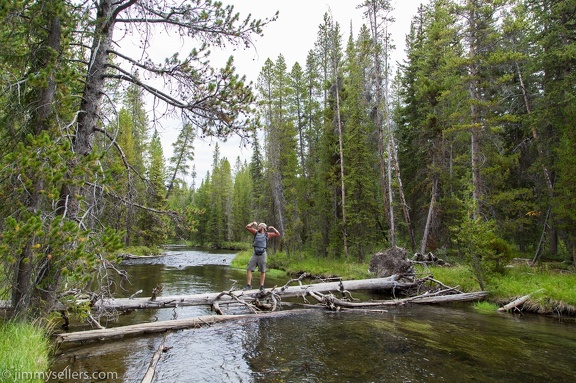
(404, 344)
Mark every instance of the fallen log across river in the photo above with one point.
(231, 297)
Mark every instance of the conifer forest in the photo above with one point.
(466, 149)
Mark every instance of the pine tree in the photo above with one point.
(182, 156)
(153, 228)
(241, 201)
(361, 175)
(61, 64)
(427, 91)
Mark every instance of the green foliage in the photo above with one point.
(25, 348)
(482, 247)
(482, 112)
(548, 286)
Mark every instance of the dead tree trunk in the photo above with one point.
(430, 216)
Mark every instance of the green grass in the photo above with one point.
(280, 264)
(459, 276)
(485, 307)
(551, 290)
(24, 352)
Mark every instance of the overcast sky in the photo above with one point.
(293, 34)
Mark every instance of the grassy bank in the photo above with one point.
(553, 291)
(24, 352)
(280, 264)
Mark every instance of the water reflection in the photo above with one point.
(405, 344)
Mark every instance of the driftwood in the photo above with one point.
(249, 297)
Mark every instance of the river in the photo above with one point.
(413, 343)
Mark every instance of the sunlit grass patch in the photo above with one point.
(485, 307)
(241, 259)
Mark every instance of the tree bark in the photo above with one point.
(430, 216)
(342, 178)
(403, 202)
(151, 371)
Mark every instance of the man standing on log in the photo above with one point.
(261, 237)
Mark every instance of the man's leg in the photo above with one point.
(248, 278)
(262, 278)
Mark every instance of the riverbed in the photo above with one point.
(413, 343)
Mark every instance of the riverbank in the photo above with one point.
(552, 289)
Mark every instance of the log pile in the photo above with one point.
(265, 304)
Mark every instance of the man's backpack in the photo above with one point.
(260, 242)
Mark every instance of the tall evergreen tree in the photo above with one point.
(242, 200)
(428, 88)
(154, 227)
(182, 156)
(361, 176)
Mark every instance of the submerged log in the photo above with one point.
(390, 283)
(151, 371)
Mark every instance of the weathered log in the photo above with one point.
(464, 297)
(333, 302)
(161, 326)
(151, 371)
(250, 295)
(230, 297)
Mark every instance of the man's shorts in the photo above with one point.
(257, 260)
